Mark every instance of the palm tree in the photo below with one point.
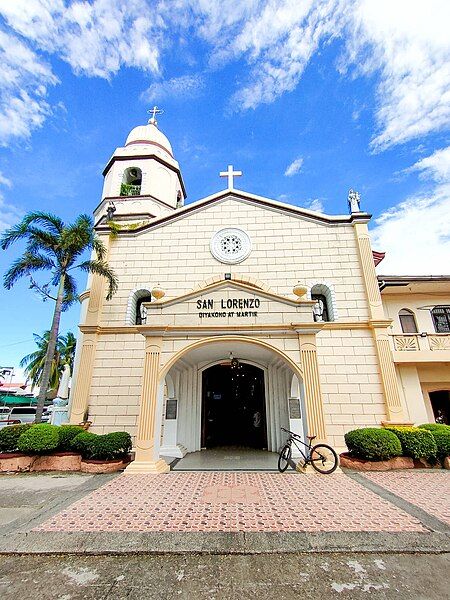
(53, 246)
(67, 350)
(34, 362)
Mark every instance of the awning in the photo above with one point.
(17, 401)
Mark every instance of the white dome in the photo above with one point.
(149, 134)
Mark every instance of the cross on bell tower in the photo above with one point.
(154, 111)
(230, 174)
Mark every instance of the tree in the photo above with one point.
(67, 350)
(53, 246)
(34, 362)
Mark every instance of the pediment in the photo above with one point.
(253, 200)
(229, 303)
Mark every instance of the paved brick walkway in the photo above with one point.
(236, 501)
(429, 490)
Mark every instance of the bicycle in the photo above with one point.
(321, 456)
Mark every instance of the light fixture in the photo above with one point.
(300, 289)
(158, 292)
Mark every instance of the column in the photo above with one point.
(147, 453)
(311, 382)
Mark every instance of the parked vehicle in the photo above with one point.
(20, 414)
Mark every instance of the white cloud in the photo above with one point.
(187, 86)
(436, 166)
(427, 215)
(406, 43)
(9, 214)
(316, 204)
(294, 167)
(24, 81)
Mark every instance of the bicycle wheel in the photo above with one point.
(284, 458)
(324, 459)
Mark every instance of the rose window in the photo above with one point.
(230, 245)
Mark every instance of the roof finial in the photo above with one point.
(154, 111)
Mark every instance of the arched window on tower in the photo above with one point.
(131, 182)
(323, 310)
(141, 311)
(407, 321)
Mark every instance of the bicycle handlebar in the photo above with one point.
(290, 432)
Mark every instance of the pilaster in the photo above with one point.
(311, 382)
(80, 398)
(379, 324)
(81, 388)
(147, 457)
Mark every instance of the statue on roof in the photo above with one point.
(354, 201)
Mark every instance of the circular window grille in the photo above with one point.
(230, 245)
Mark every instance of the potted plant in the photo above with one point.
(103, 453)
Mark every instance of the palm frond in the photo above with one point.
(100, 267)
(25, 265)
(50, 222)
(70, 291)
(99, 248)
(11, 235)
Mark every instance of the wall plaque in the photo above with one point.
(294, 408)
(171, 408)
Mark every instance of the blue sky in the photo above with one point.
(308, 98)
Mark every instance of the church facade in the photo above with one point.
(236, 315)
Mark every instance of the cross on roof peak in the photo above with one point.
(154, 111)
(230, 173)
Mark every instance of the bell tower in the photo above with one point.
(142, 178)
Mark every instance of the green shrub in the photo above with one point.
(416, 442)
(9, 436)
(102, 447)
(373, 443)
(39, 439)
(441, 434)
(66, 434)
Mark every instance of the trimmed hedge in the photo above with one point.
(102, 447)
(39, 439)
(441, 434)
(66, 435)
(9, 436)
(416, 442)
(373, 443)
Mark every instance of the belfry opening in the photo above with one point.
(233, 406)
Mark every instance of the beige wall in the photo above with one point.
(393, 304)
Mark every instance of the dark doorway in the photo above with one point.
(440, 403)
(233, 406)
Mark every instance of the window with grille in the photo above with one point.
(441, 319)
(407, 321)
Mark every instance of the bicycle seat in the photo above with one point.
(311, 437)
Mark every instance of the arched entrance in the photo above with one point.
(250, 415)
(233, 406)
